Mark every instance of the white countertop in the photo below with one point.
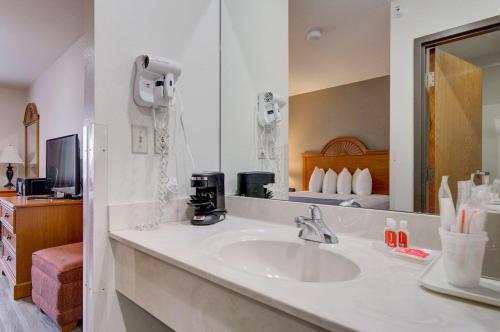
(385, 297)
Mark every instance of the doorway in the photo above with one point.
(456, 75)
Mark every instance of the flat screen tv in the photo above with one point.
(63, 164)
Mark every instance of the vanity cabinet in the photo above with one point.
(31, 225)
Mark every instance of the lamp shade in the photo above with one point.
(10, 155)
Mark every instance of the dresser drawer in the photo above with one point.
(8, 237)
(8, 217)
(9, 260)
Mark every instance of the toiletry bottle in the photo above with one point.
(386, 230)
(446, 206)
(391, 238)
(403, 234)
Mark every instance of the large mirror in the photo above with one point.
(459, 106)
(305, 106)
(300, 97)
(31, 141)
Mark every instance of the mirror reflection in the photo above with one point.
(463, 111)
(305, 107)
(31, 142)
(304, 110)
(31, 123)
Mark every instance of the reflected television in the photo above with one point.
(63, 164)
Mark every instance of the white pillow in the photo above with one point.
(362, 183)
(355, 177)
(330, 182)
(344, 182)
(316, 180)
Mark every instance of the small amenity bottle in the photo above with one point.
(403, 234)
(390, 236)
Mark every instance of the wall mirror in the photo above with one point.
(31, 141)
(298, 93)
(457, 114)
(305, 105)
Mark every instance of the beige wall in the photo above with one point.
(58, 95)
(359, 109)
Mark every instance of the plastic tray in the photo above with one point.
(434, 278)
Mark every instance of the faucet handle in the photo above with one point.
(299, 221)
(315, 212)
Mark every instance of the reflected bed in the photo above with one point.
(351, 153)
(375, 201)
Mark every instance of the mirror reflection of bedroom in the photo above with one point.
(339, 120)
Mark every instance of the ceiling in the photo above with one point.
(354, 45)
(33, 34)
(482, 50)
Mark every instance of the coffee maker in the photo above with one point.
(254, 184)
(208, 202)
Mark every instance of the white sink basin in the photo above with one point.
(303, 262)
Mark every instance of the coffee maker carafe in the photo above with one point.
(208, 201)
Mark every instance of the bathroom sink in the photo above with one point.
(292, 261)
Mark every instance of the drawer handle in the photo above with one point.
(9, 237)
(9, 258)
(6, 215)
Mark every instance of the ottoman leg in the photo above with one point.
(69, 327)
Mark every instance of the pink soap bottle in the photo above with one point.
(403, 234)
(390, 236)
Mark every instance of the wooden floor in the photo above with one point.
(22, 315)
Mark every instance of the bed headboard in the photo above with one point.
(349, 152)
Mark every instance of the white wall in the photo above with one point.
(58, 95)
(420, 18)
(184, 31)
(188, 32)
(254, 59)
(13, 102)
(491, 120)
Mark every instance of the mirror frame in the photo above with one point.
(421, 121)
(31, 118)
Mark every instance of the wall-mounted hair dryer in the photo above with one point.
(155, 80)
(268, 108)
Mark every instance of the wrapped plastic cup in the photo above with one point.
(463, 257)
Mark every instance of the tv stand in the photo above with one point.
(53, 197)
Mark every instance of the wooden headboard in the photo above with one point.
(349, 152)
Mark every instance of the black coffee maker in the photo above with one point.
(253, 184)
(208, 202)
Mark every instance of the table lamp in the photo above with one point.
(10, 156)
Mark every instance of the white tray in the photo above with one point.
(434, 278)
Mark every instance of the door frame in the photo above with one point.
(421, 123)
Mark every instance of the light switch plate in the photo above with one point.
(139, 139)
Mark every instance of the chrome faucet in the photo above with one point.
(314, 229)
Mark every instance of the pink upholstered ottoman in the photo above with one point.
(57, 283)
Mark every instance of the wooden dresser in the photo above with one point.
(31, 225)
(4, 192)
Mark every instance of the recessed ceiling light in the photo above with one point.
(314, 34)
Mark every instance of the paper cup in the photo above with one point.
(463, 256)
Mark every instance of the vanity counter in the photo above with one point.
(385, 296)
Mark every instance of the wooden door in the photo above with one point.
(455, 115)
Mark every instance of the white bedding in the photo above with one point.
(374, 201)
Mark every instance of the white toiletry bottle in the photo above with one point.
(403, 234)
(446, 206)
